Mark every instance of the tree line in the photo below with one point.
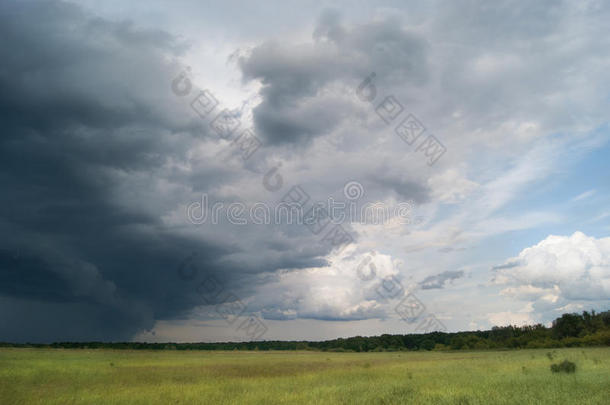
(569, 330)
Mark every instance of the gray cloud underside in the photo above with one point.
(439, 280)
(90, 134)
(98, 157)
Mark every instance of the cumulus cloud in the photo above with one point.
(348, 288)
(558, 271)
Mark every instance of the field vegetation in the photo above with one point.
(102, 376)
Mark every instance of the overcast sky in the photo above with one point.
(480, 128)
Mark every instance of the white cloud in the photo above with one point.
(584, 195)
(451, 186)
(346, 289)
(558, 273)
(601, 216)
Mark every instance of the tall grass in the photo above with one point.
(37, 376)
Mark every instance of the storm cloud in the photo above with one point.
(100, 161)
(92, 147)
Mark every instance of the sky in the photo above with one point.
(228, 171)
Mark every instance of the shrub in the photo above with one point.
(565, 367)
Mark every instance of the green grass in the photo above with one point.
(47, 376)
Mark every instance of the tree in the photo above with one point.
(569, 325)
(427, 344)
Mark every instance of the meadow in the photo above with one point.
(82, 376)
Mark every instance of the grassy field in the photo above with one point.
(37, 376)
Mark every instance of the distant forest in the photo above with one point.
(570, 330)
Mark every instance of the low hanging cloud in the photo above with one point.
(439, 280)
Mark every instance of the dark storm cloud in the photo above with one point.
(87, 124)
(60, 67)
(439, 280)
(98, 159)
(294, 76)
